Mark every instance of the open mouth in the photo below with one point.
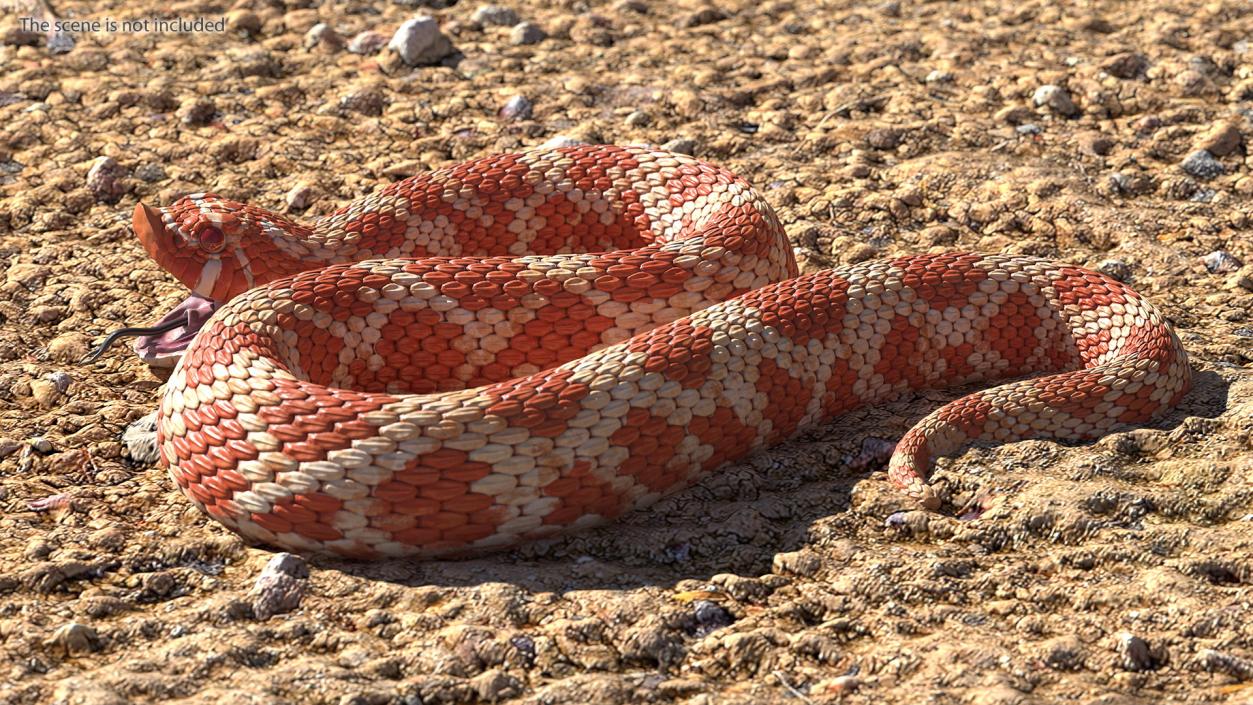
(163, 343)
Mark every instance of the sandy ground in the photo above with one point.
(1119, 571)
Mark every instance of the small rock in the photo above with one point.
(280, 587)
(197, 111)
(150, 172)
(104, 180)
(526, 33)
(1221, 140)
(1134, 653)
(1116, 269)
(1221, 262)
(45, 393)
(1014, 114)
(1055, 98)
(709, 616)
(1065, 653)
(495, 15)
(519, 107)
(639, 7)
(1096, 144)
(140, 439)
(833, 687)
(559, 141)
(1028, 128)
(938, 76)
(804, 562)
(1242, 279)
(366, 101)
(1202, 165)
(39, 444)
(1239, 668)
(323, 36)
(69, 347)
(703, 16)
(1127, 65)
(419, 42)
(299, 197)
(885, 138)
(367, 43)
(245, 21)
(494, 685)
(74, 639)
(681, 145)
(638, 118)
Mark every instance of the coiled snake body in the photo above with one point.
(527, 343)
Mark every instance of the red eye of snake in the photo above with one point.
(212, 240)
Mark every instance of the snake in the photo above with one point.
(524, 344)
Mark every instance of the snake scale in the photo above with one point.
(528, 343)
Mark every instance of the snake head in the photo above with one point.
(215, 247)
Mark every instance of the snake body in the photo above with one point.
(528, 343)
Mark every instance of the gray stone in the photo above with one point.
(1221, 262)
(1202, 165)
(104, 180)
(681, 145)
(1055, 98)
(519, 107)
(280, 587)
(526, 33)
(367, 43)
(495, 15)
(419, 42)
(1116, 269)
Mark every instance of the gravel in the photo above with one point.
(1202, 165)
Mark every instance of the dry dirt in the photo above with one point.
(1119, 571)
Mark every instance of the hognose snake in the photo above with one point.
(532, 342)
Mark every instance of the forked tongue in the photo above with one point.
(161, 344)
(163, 348)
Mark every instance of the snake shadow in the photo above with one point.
(736, 519)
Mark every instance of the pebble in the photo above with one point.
(803, 562)
(39, 444)
(104, 180)
(1055, 98)
(525, 33)
(518, 107)
(1134, 653)
(495, 15)
(1115, 268)
(366, 101)
(1028, 128)
(1239, 668)
(559, 141)
(1013, 114)
(1202, 165)
(280, 587)
(367, 42)
(834, 687)
(1220, 140)
(45, 393)
(885, 138)
(938, 76)
(299, 197)
(1221, 262)
(1127, 65)
(74, 639)
(638, 118)
(1096, 144)
(323, 36)
(68, 347)
(681, 145)
(703, 16)
(710, 616)
(150, 172)
(245, 21)
(197, 111)
(140, 439)
(1065, 653)
(419, 42)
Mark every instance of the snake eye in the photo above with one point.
(212, 240)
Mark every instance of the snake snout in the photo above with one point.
(151, 231)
